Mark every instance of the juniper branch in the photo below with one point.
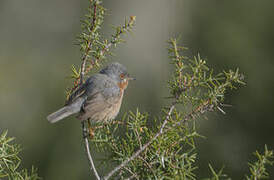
(82, 74)
(258, 168)
(89, 42)
(205, 107)
(115, 39)
(97, 53)
(125, 27)
(10, 161)
(144, 147)
(194, 77)
(91, 46)
(193, 82)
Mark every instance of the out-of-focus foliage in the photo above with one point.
(10, 162)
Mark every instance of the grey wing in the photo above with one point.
(76, 94)
(83, 90)
(103, 105)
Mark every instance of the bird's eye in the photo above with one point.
(122, 76)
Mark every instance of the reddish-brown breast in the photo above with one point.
(123, 85)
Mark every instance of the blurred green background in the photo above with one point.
(36, 52)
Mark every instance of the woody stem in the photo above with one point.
(92, 166)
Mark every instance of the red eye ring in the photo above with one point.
(122, 76)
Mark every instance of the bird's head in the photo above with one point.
(118, 73)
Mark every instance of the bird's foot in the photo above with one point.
(91, 130)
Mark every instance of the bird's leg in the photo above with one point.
(90, 130)
(85, 133)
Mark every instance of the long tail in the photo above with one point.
(60, 114)
(66, 111)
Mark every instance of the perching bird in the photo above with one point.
(99, 98)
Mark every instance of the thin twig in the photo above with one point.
(82, 74)
(92, 166)
(147, 164)
(85, 70)
(136, 154)
(131, 177)
(204, 107)
(125, 27)
(110, 123)
(133, 174)
(85, 56)
(139, 139)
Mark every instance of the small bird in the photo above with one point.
(99, 98)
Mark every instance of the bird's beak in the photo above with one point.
(131, 78)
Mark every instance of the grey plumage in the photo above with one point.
(66, 111)
(99, 98)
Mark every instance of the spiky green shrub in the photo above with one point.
(145, 147)
(10, 161)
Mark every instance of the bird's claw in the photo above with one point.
(91, 131)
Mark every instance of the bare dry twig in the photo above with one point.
(92, 166)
